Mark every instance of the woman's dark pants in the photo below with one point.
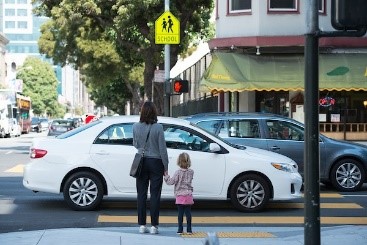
(152, 173)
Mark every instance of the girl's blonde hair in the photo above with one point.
(183, 160)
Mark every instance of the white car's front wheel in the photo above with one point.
(250, 193)
(83, 191)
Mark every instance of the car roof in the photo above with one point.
(233, 115)
(135, 118)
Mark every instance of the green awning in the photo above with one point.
(239, 72)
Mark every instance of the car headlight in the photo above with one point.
(284, 167)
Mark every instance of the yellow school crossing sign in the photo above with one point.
(167, 29)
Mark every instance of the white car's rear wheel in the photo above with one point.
(83, 191)
(250, 193)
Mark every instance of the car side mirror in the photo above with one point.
(214, 147)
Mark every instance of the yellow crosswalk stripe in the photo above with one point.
(17, 169)
(330, 195)
(220, 234)
(239, 220)
(322, 205)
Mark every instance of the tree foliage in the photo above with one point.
(40, 84)
(107, 39)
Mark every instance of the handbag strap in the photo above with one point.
(146, 140)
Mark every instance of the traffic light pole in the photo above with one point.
(167, 87)
(311, 161)
(311, 156)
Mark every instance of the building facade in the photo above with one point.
(22, 29)
(256, 63)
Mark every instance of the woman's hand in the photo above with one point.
(165, 173)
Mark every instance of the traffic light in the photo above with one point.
(347, 14)
(180, 86)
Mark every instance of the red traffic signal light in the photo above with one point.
(180, 86)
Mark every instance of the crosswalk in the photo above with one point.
(338, 205)
(329, 201)
(200, 220)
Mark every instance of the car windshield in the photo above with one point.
(77, 130)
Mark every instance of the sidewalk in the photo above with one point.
(337, 235)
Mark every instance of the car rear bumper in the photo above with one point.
(42, 177)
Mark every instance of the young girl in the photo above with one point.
(182, 179)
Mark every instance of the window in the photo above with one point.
(119, 134)
(239, 6)
(9, 24)
(22, 24)
(243, 128)
(185, 139)
(284, 131)
(9, 12)
(210, 126)
(22, 1)
(22, 12)
(9, 1)
(283, 5)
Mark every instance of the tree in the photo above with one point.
(127, 26)
(40, 84)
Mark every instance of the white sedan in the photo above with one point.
(93, 161)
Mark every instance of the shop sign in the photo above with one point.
(326, 101)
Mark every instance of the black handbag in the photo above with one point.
(137, 164)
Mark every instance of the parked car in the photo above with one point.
(39, 124)
(342, 164)
(94, 160)
(16, 129)
(60, 126)
(5, 126)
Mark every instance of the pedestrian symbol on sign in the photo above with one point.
(167, 29)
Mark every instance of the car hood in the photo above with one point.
(267, 155)
(344, 143)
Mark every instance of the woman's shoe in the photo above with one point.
(143, 229)
(179, 233)
(154, 230)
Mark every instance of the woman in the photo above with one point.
(154, 167)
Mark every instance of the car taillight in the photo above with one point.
(37, 153)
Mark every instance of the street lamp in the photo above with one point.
(365, 104)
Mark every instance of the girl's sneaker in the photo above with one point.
(179, 232)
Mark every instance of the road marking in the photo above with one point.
(7, 206)
(273, 205)
(322, 205)
(355, 195)
(239, 220)
(330, 195)
(220, 234)
(17, 169)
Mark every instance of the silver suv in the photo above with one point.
(342, 164)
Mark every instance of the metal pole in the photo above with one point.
(167, 61)
(311, 156)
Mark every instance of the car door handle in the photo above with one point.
(102, 153)
(275, 148)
